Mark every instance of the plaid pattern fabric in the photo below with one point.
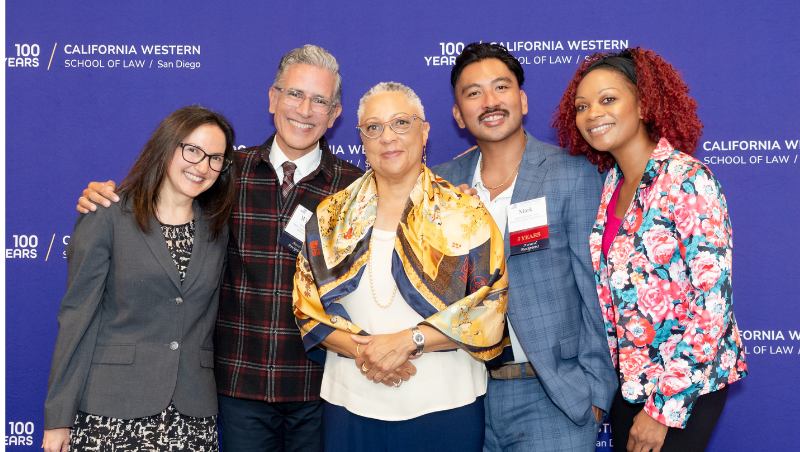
(288, 177)
(259, 354)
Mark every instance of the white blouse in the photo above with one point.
(444, 380)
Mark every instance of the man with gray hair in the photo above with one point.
(268, 389)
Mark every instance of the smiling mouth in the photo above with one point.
(601, 129)
(301, 125)
(194, 177)
(493, 116)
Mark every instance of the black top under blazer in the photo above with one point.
(131, 337)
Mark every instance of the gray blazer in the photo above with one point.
(131, 337)
(552, 296)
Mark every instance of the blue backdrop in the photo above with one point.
(87, 82)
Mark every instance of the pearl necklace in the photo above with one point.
(380, 304)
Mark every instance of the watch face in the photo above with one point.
(418, 338)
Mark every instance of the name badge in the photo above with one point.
(527, 226)
(295, 233)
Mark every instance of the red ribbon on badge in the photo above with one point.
(529, 235)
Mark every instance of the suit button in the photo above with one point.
(173, 345)
(178, 300)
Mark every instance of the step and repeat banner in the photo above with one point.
(88, 81)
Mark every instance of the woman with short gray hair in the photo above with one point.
(401, 287)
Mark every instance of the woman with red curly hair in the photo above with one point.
(661, 250)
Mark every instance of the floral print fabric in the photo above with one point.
(665, 287)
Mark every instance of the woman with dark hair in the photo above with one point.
(661, 249)
(133, 362)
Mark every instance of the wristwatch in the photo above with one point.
(419, 340)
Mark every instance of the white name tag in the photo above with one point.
(297, 223)
(527, 226)
(295, 233)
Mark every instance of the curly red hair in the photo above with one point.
(667, 109)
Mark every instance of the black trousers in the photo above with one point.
(256, 426)
(694, 437)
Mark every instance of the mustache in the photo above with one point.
(492, 111)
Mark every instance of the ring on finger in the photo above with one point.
(364, 368)
(397, 383)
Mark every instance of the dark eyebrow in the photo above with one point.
(471, 85)
(476, 85)
(204, 151)
(604, 89)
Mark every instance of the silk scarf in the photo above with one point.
(447, 262)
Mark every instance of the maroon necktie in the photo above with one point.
(288, 177)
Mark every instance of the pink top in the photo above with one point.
(612, 222)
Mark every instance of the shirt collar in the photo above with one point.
(305, 164)
(483, 192)
(658, 159)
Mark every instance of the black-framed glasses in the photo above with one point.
(400, 124)
(294, 98)
(195, 154)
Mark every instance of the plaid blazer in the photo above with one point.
(259, 354)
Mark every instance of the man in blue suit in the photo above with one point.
(550, 389)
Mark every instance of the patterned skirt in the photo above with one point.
(166, 431)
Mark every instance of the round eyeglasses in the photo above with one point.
(294, 98)
(400, 124)
(194, 154)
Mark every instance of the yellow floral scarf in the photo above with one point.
(452, 272)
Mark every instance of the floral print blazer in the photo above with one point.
(665, 287)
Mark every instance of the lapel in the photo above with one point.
(464, 169)
(158, 246)
(532, 172)
(199, 248)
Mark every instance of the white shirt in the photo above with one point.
(498, 208)
(444, 380)
(305, 164)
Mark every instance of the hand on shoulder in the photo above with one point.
(103, 193)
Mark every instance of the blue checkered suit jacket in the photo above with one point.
(553, 303)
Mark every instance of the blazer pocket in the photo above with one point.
(206, 358)
(569, 347)
(114, 354)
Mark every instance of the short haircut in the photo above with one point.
(668, 111)
(476, 51)
(391, 87)
(142, 184)
(313, 56)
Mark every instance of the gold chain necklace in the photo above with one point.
(513, 173)
(372, 283)
(510, 176)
